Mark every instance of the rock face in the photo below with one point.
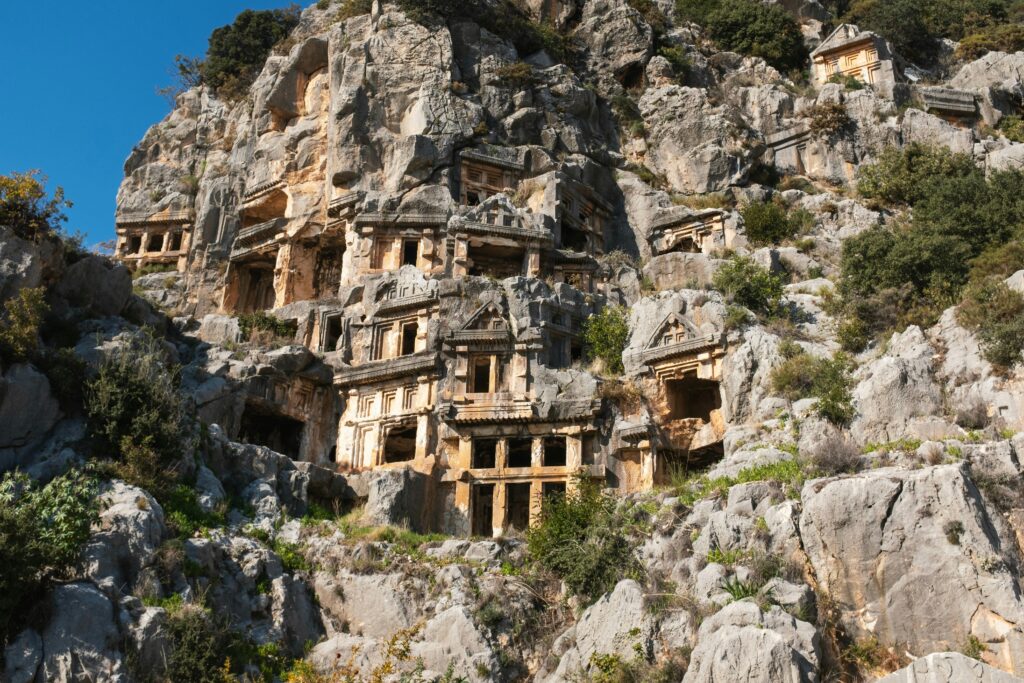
(916, 557)
(947, 667)
(743, 643)
(391, 266)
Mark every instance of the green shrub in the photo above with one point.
(767, 223)
(652, 14)
(605, 335)
(829, 119)
(902, 175)
(204, 649)
(826, 379)
(750, 28)
(994, 38)
(42, 533)
(996, 314)
(901, 22)
(848, 82)
(678, 58)
(66, 372)
(25, 208)
(237, 52)
(746, 283)
(584, 538)
(962, 223)
(261, 321)
(353, 8)
(135, 411)
(185, 517)
(516, 74)
(1012, 126)
(19, 325)
(291, 556)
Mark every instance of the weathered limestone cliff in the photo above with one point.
(380, 273)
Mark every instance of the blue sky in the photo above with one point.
(78, 86)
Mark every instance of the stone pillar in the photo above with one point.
(460, 258)
(499, 513)
(501, 454)
(422, 436)
(537, 452)
(573, 453)
(536, 501)
(533, 262)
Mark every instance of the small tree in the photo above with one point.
(134, 408)
(19, 325)
(767, 223)
(585, 539)
(26, 209)
(605, 335)
(42, 533)
(749, 284)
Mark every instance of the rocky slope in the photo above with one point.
(894, 564)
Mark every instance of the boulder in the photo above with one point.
(372, 605)
(452, 642)
(396, 498)
(896, 388)
(130, 529)
(96, 284)
(20, 264)
(22, 657)
(617, 624)
(219, 329)
(28, 411)
(948, 667)
(81, 640)
(742, 643)
(917, 559)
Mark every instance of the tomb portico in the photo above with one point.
(146, 239)
(689, 231)
(498, 240)
(383, 242)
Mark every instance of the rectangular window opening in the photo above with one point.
(485, 453)
(410, 252)
(554, 451)
(520, 452)
(409, 332)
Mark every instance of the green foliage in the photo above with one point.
(993, 38)
(25, 208)
(66, 372)
(996, 314)
(749, 284)
(237, 52)
(516, 74)
(261, 321)
(203, 647)
(652, 14)
(907, 274)
(605, 335)
(768, 223)
(353, 8)
(915, 27)
(739, 590)
(750, 28)
(1012, 126)
(903, 175)
(786, 472)
(291, 556)
(953, 530)
(826, 379)
(135, 411)
(184, 515)
(42, 533)
(974, 648)
(848, 82)
(19, 324)
(829, 119)
(584, 538)
(678, 58)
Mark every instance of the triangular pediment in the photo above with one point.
(487, 317)
(675, 328)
